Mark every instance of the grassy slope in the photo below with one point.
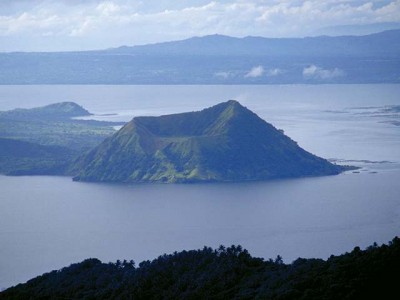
(226, 142)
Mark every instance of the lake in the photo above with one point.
(48, 222)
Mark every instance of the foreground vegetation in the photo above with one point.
(224, 273)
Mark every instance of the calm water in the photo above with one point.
(49, 222)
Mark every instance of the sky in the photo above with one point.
(65, 25)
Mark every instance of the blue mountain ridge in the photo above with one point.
(217, 59)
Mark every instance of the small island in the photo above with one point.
(226, 142)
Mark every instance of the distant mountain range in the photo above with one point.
(217, 59)
(357, 29)
(328, 46)
(226, 142)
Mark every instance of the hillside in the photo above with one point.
(57, 111)
(321, 46)
(217, 59)
(24, 158)
(224, 273)
(45, 140)
(54, 125)
(226, 142)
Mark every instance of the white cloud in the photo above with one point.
(255, 72)
(119, 22)
(274, 72)
(223, 75)
(315, 72)
(82, 28)
(108, 8)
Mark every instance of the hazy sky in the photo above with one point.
(37, 25)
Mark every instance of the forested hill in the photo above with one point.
(224, 273)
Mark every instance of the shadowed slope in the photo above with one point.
(24, 158)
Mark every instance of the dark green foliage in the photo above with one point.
(24, 158)
(226, 142)
(225, 273)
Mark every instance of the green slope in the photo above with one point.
(226, 142)
(23, 158)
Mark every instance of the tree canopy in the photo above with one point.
(223, 273)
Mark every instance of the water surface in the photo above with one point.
(48, 222)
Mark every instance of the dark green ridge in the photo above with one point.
(226, 142)
(223, 273)
(24, 158)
